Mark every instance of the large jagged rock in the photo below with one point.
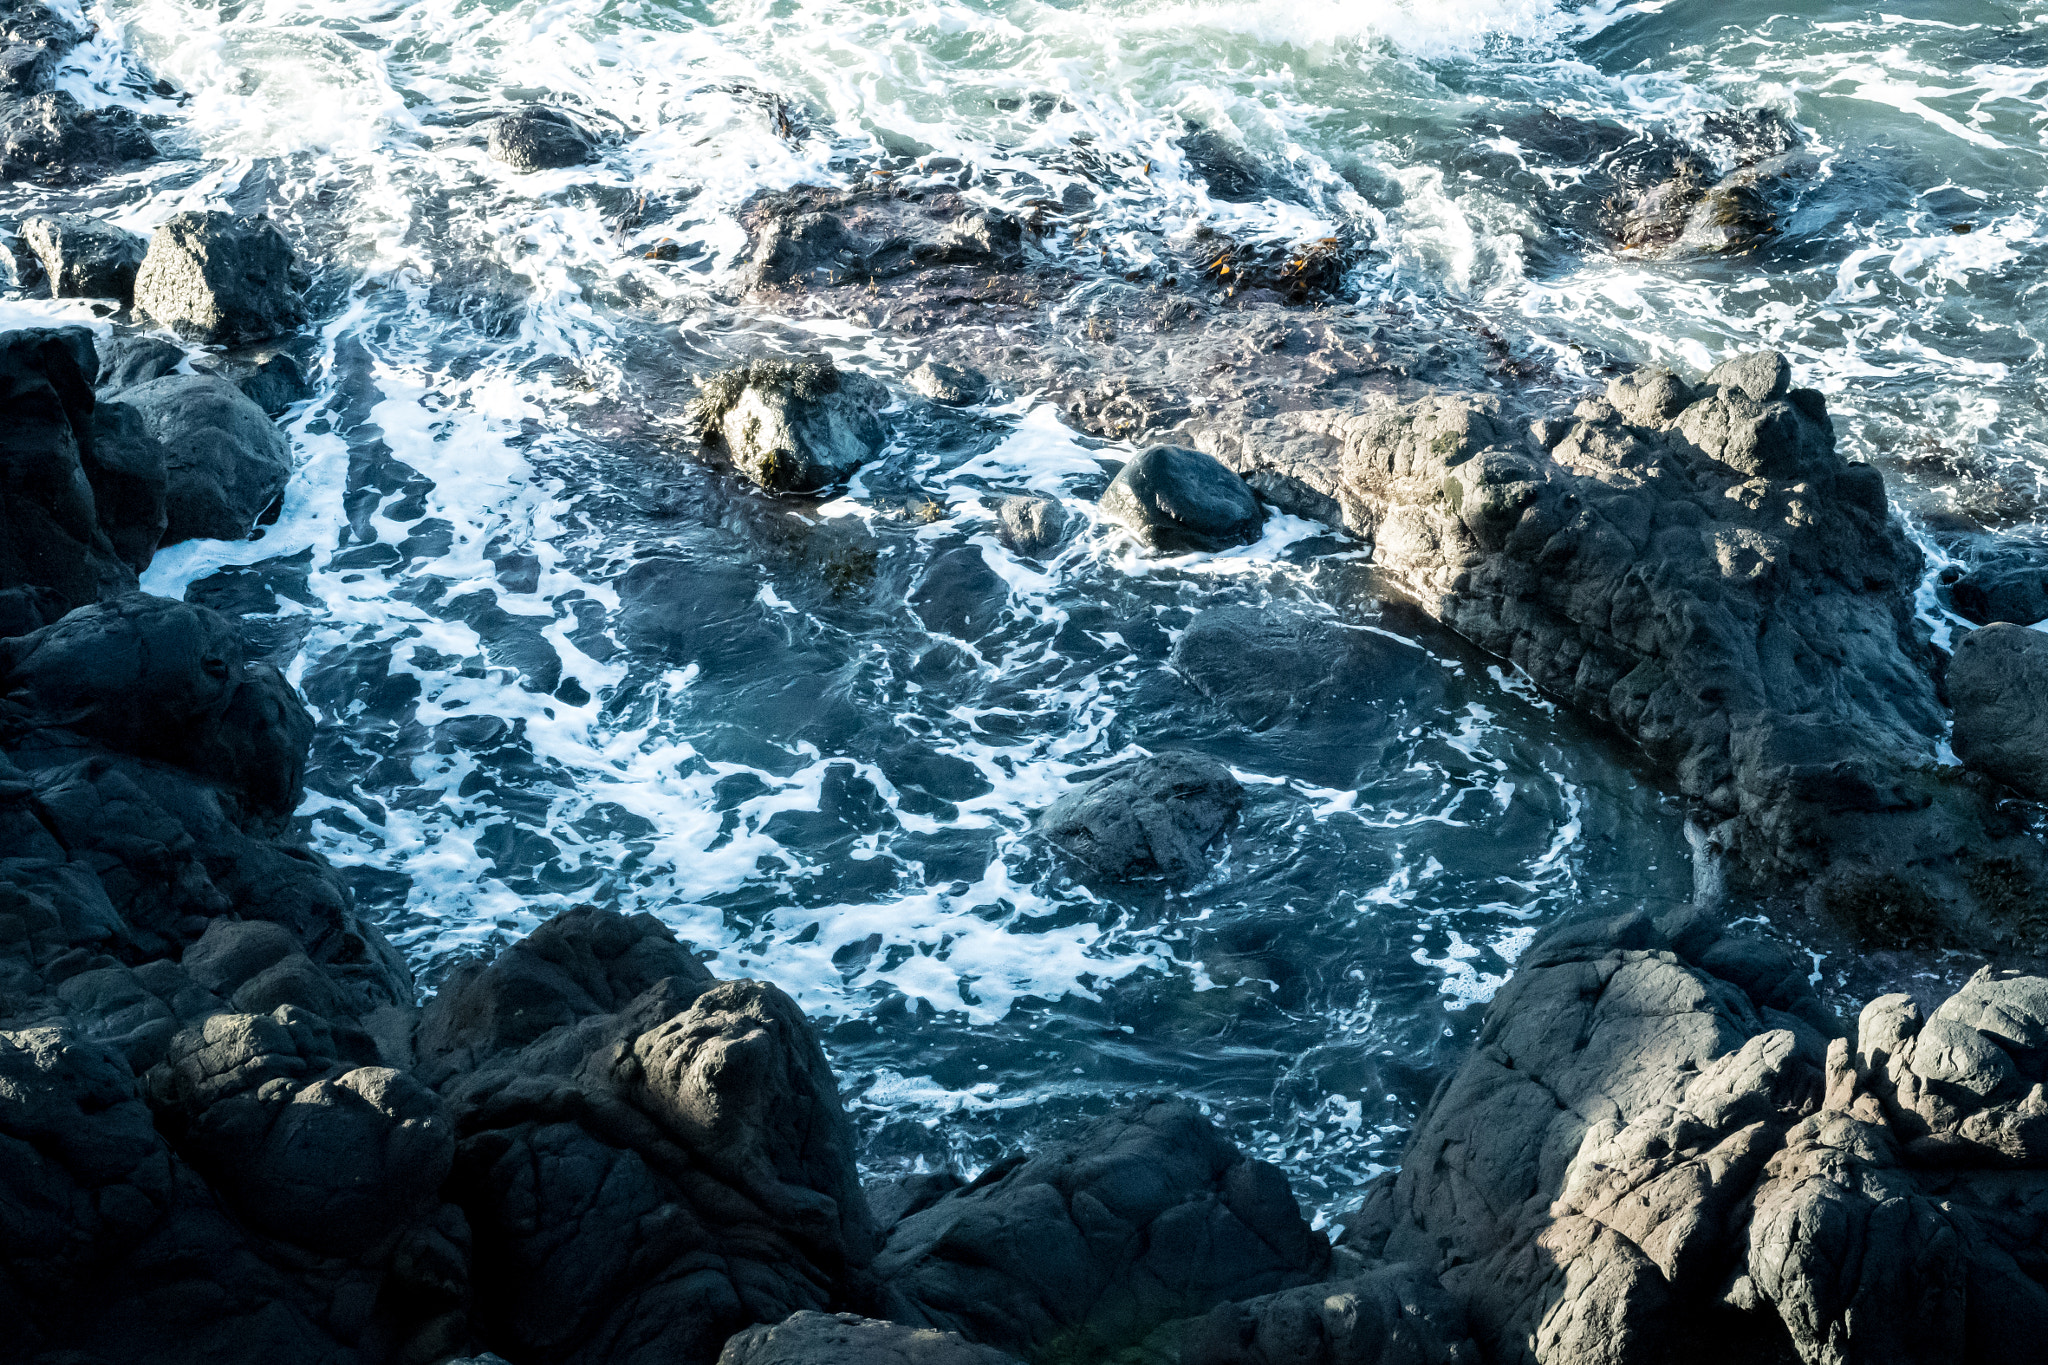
(52, 139)
(1653, 1148)
(85, 257)
(223, 280)
(225, 462)
(809, 1338)
(792, 426)
(1085, 1247)
(1998, 684)
(652, 1160)
(82, 503)
(1154, 817)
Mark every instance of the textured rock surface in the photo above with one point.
(948, 385)
(792, 426)
(1998, 684)
(1178, 500)
(540, 139)
(807, 238)
(1386, 1315)
(225, 462)
(651, 1160)
(51, 139)
(1031, 526)
(85, 257)
(1085, 1247)
(1155, 817)
(809, 1338)
(1655, 1145)
(220, 279)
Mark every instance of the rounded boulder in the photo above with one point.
(1178, 501)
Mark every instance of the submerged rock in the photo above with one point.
(1178, 500)
(1998, 684)
(538, 138)
(85, 257)
(1031, 525)
(52, 139)
(792, 426)
(219, 279)
(1262, 666)
(226, 463)
(809, 1338)
(1155, 817)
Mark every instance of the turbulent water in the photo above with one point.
(803, 772)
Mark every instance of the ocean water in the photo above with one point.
(820, 757)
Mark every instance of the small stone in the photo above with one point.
(1031, 526)
(945, 384)
(540, 139)
(793, 426)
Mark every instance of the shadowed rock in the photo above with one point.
(85, 257)
(1998, 684)
(51, 139)
(225, 462)
(809, 1338)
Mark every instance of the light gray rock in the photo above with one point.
(226, 463)
(1998, 684)
(85, 257)
(1178, 500)
(948, 385)
(810, 1338)
(1155, 817)
(219, 279)
(1965, 1086)
(792, 426)
(1031, 525)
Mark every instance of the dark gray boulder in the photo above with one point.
(1089, 1245)
(1263, 667)
(1155, 817)
(2009, 583)
(130, 478)
(51, 139)
(1384, 1315)
(224, 461)
(84, 257)
(792, 426)
(1998, 685)
(948, 385)
(220, 279)
(54, 544)
(810, 237)
(1178, 501)
(272, 378)
(809, 1338)
(960, 595)
(1031, 525)
(651, 1160)
(538, 138)
(33, 40)
(129, 360)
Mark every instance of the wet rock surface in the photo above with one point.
(84, 257)
(1998, 685)
(1031, 526)
(538, 138)
(1155, 817)
(224, 280)
(52, 139)
(792, 426)
(1178, 500)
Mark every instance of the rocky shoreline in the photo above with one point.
(230, 1129)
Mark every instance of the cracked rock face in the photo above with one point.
(216, 278)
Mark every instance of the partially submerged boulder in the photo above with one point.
(1179, 501)
(811, 237)
(226, 462)
(1031, 525)
(1154, 817)
(85, 257)
(792, 426)
(538, 138)
(52, 139)
(1998, 684)
(224, 280)
(948, 385)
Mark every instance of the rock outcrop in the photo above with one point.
(225, 463)
(1656, 1144)
(792, 426)
(52, 139)
(220, 279)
